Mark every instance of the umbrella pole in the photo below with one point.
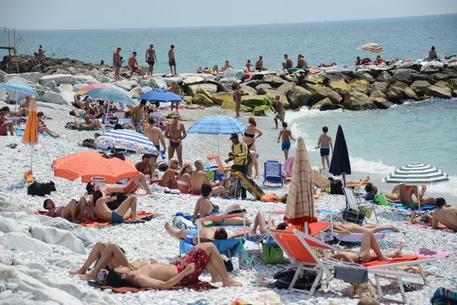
(344, 186)
(218, 152)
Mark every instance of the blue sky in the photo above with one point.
(97, 14)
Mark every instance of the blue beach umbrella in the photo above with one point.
(216, 125)
(110, 94)
(127, 139)
(19, 87)
(160, 95)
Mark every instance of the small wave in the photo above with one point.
(304, 112)
(372, 167)
(445, 188)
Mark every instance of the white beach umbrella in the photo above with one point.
(417, 174)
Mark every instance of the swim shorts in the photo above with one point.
(325, 151)
(116, 218)
(172, 62)
(175, 144)
(285, 145)
(151, 61)
(197, 256)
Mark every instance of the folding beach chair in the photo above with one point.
(218, 161)
(354, 202)
(272, 172)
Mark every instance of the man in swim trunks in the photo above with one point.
(172, 60)
(279, 110)
(127, 209)
(133, 65)
(150, 58)
(139, 115)
(88, 124)
(199, 177)
(155, 135)
(301, 62)
(147, 165)
(407, 192)
(445, 215)
(285, 135)
(169, 177)
(325, 145)
(175, 133)
(5, 124)
(117, 63)
(72, 211)
(195, 236)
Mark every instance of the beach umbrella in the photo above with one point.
(217, 124)
(300, 202)
(19, 88)
(372, 47)
(110, 94)
(129, 140)
(30, 135)
(340, 164)
(160, 95)
(93, 166)
(90, 87)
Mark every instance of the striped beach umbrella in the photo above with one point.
(372, 47)
(127, 139)
(418, 174)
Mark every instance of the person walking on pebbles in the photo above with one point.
(325, 145)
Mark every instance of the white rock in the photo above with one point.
(53, 86)
(32, 77)
(58, 78)
(21, 242)
(87, 79)
(103, 79)
(126, 84)
(58, 237)
(156, 82)
(66, 87)
(173, 79)
(8, 225)
(136, 92)
(52, 97)
(3, 76)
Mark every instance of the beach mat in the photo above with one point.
(198, 286)
(425, 207)
(399, 259)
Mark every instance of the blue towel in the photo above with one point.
(425, 207)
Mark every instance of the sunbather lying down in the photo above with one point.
(348, 228)
(369, 251)
(152, 274)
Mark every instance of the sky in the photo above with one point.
(105, 14)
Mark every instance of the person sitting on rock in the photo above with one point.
(287, 63)
(432, 54)
(259, 64)
(367, 61)
(248, 66)
(227, 65)
(379, 60)
(42, 127)
(301, 62)
(133, 65)
(358, 61)
(73, 211)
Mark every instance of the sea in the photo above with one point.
(378, 140)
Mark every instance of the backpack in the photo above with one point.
(336, 187)
(41, 189)
(304, 281)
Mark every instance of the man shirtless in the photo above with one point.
(172, 60)
(127, 209)
(117, 63)
(279, 110)
(5, 124)
(139, 115)
(133, 65)
(169, 177)
(151, 58)
(152, 274)
(88, 123)
(285, 135)
(176, 89)
(155, 135)
(72, 211)
(445, 215)
(407, 192)
(199, 177)
(175, 133)
(325, 145)
(259, 64)
(147, 165)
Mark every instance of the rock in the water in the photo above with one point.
(440, 92)
(379, 86)
(340, 86)
(404, 75)
(453, 83)
(361, 85)
(378, 93)
(320, 92)
(203, 100)
(366, 76)
(58, 79)
(399, 91)
(256, 100)
(260, 110)
(419, 86)
(356, 100)
(208, 87)
(298, 97)
(325, 104)
(52, 97)
(381, 102)
(384, 77)
(285, 88)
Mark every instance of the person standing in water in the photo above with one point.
(325, 145)
(150, 58)
(279, 110)
(285, 135)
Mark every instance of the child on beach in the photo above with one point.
(285, 135)
(325, 145)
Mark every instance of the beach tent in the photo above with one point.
(340, 164)
(300, 201)
(30, 135)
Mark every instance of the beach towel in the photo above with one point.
(394, 260)
(438, 254)
(425, 207)
(198, 286)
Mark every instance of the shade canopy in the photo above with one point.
(217, 124)
(19, 87)
(127, 139)
(372, 47)
(160, 95)
(93, 166)
(340, 164)
(110, 94)
(300, 202)
(417, 173)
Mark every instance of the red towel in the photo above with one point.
(394, 260)
(199, 286)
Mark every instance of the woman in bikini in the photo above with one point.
(250, 135)
(184, 182)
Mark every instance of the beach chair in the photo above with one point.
(218, 161)
(300, 248)
(354, 202)
(272, 172)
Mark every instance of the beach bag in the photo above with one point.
(336, 187)
(354, 216)
(305, 279)
(272, 254)
(41, 189)
(380, 199)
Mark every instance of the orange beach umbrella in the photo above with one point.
(93, 166)
(30, 135)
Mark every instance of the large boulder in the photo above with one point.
(60, 237)
(399, 91)
(173, 80)
(340, 86)
(419, 86)
(53, 86)
(443, 76)
(222, 97)
(58, 79)
(257, 100)
(273, 80)
(248, 90)
(443, 84)
(126, 84)
(22, 242)
(364, 75)
(261, 110)
(404, 75)
(378, 93)
(320, 92)
(440, 92)
(208, 87)
(325, 104)
(244, 108)
(361, 85)
(356, 100)
(432, 67)
(32, 77)
(298, 97)
(263, 86)
(379, 86)
(203, 100)
(315, 78)
(52, 97)
(285, 88)
(273, 94)
(66, 88)
(384, 76)
(381, 102)
(156, 82)
(453, 83)
(87, 79)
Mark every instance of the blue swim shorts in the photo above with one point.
(285, 145)
(116, 218)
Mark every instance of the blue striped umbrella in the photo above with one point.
(160, 95)
(110, 94)
(217, 124)
(19, 87)
(127, 139)
(417, 173)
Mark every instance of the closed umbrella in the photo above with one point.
(110, 94)
(93, 166)
(217, 124)
(300, 202)
(340, 164)
(127, 139)
(417, 174)
(30, 135)
(160, 95)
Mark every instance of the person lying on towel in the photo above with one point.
(152, 274)
(74, 211)
(126, 210)
(349, 228)
(204, 207)
(88, 124)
